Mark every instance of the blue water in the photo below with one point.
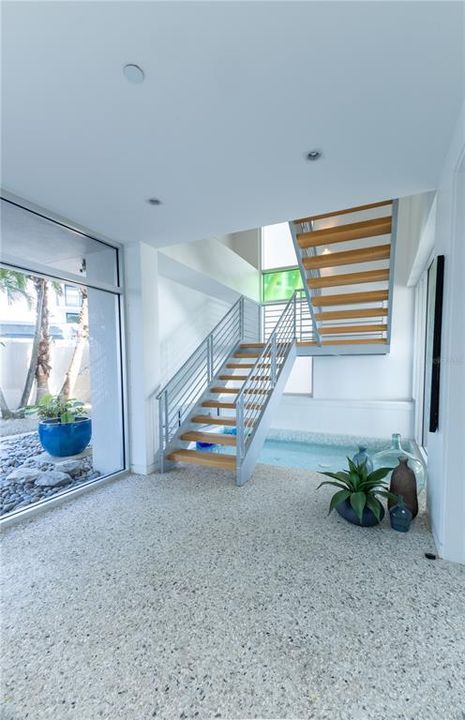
(312, 456)
(309, 455)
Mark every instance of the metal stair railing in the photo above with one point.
(179, 396)
(272, 311)
(256, 391)
(301, 253)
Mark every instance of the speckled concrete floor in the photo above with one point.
(183, 596)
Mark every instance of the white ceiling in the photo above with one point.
(235, 93)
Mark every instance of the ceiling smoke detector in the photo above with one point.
(133, 74)
(154, 201)
(313, 155)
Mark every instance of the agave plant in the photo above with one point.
(360, 488)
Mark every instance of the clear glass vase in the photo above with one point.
(390, 458)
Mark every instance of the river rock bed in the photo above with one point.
(28, 474)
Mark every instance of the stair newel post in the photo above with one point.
(241, 318)
(273, 360)
(163, 430)
(240, 438)
(294, 310)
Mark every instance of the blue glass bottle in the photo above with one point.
(400, 515)
(362, 457)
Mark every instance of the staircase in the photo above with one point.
(225, 394)
(346, 259)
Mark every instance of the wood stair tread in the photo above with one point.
(351, 329)
(233, 377)
(236, 365)
(213, 420)
(349, 279)
(194, 457)
(349, 257)
(350, 314)
(343, 233)
(236, 391)
(350, 298)
(209, 437)
(218, 404)
(251, 354)
(223, 390)
(252, 345)
(346, 211)
(217, 420)
(355, 341)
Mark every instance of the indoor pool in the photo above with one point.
(320, 452)
(310, 455)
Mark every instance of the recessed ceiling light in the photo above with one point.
(313, 155)
(133, 73)
(154, 201)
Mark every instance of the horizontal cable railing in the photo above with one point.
(256, 390)
(271, 312)
(180, 395)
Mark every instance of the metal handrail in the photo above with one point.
(263, 377)
(181, 393)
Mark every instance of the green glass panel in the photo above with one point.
(281, 285)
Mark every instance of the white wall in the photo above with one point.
(143, 353)
(446, 484)
(246, 244)
(366, 395)
(186, 316)
(214, 260)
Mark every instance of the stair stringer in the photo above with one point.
(245, 469)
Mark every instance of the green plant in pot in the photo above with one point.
(64, 429)
(357, 498)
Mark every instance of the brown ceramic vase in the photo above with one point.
(404, 483)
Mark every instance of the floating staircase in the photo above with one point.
(346, 259)
(226, 392)
(225, 395)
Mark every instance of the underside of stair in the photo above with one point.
(346, 261)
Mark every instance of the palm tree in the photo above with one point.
(42, 350)
(15, 285)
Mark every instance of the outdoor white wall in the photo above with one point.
(15, 356)
(366, 395)
(446, 485)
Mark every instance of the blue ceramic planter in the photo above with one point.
(205, 447)
(63, 439)
(348, 513)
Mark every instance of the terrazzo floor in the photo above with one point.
(183, 596)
